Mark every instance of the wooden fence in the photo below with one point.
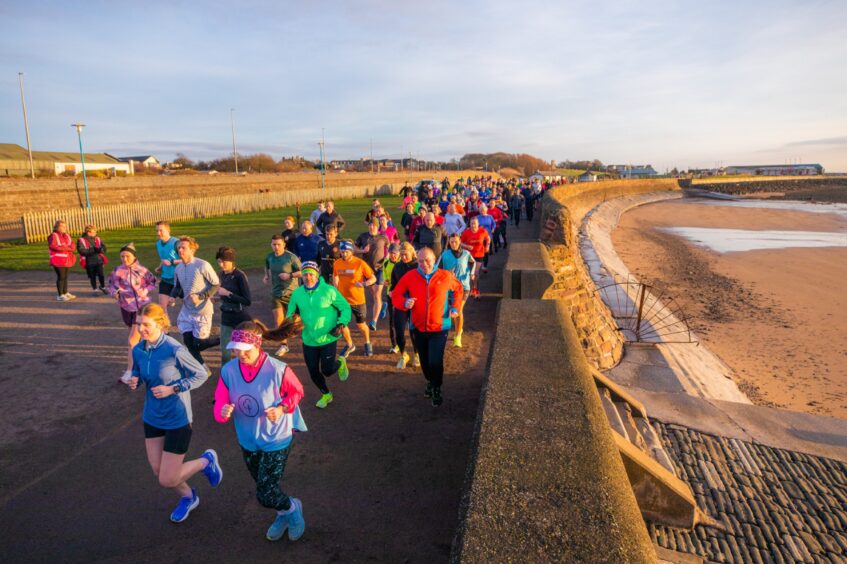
(37, 226)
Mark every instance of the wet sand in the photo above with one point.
(777, 318)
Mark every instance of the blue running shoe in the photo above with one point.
(213, 472)
(185, 506)
(345, 352)
(372, 325)
(296, 522)
(278, 527)
(384, 311)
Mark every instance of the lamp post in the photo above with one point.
(79, 127)
(322, 144)
(234, 148)
(26, 124)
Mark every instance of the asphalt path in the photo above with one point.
(380, 471)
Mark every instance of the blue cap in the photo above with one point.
(345, 246)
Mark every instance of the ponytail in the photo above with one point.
(290, 327)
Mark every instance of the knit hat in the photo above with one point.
(130, 248)
(225, 253)
(345, 246)
(310, 265)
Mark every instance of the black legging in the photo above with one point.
(95, 274)
(401, 323)
(430, 346)
(62, 279)
(516, 217)
(321, 362)
(195, 346)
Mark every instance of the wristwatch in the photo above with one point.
(176, 389)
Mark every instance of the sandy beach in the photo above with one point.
(776, 317)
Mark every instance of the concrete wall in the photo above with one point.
(763, 185)
(562, 212)
(546, 482)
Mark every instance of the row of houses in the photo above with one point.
(14, 161)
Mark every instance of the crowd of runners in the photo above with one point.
(413, 271)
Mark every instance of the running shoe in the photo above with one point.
(347, 350)
(61, 298)
(369, 349)
(296, 522)
(416, 362)
(372, 325)
(213, 471)
(404, 360)
(457, 341)
(343, 369)
(436, 397)
(70, 296)
(104, 290)
(278, 527)
(185, 506)
(125, 377)
(95, 293)
(384, 311)
(325, 400)
(281, 351)
(394, 350)
(428, 390)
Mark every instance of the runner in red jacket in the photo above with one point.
(434, 297)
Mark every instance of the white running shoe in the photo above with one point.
(61, 298)
(282, 350)
(70, 296)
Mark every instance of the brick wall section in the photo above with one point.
(563, 210)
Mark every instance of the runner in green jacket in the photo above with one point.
(324, 312)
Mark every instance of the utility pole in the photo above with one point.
(79, 127)
(234, 148)
(322, 145)
(26, 125)
(372, 155)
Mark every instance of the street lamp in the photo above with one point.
(79, 127)
(26, 124)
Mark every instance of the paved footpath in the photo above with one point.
(380, 471)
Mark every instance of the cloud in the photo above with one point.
(826, 141)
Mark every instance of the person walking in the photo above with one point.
(196, 282)
(400, 318)
(459, 261)
(433, 296)
(324, 313)
(62, 258)
(168, 372)
(516, 205)
(351, 275)
(131, 285)
(307, 243)
(234, 297)
(282, 271)
(92, 257)
(261, 395)
(168, 259)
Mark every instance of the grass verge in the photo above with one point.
(249, 233)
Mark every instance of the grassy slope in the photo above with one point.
(249, 233)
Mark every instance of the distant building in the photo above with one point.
(633, 171)
(546, 176)
(587, 176)
(14, 161)
(143, 161)
(777, 170)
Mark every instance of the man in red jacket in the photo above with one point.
(433, 296)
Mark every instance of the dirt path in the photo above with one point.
(380, 471)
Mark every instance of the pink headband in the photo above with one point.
(246, 337)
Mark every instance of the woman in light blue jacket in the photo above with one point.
(460, 262)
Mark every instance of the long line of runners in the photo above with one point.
(319, 283)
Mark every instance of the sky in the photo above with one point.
(670, 83)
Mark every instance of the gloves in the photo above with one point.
(336, 331)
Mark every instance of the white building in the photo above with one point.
(777, 170)
(14, 161)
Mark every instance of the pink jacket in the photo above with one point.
(133, 284)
